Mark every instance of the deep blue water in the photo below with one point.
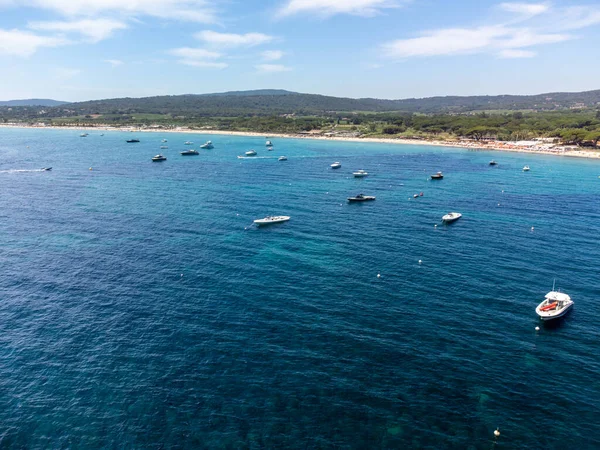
(140, 309)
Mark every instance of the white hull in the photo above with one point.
(546, 317)
(271, 220)
(557, 305)
(452, 217)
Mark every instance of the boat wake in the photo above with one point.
(22, 170)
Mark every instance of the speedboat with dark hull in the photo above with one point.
(361, 198)
(189, 152)
(159, 158)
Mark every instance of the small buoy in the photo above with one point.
(498, 204)
(378, 275)
(420, 262)
(503, 191)
(497, 432)
(90, 168)
(537, 328)
(532, 228)
(435, 226)
(181, 274)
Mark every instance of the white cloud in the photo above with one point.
(188, 10)
(233, 40)
(272, 68)
(526, 9)
(512, 40)
(94, 29)
(510, 53)
(198, 57)
(63, 73)
(114, 62)
(272, 55)
(331, 7)
(194, 53)
(207, 64)
(25, 43)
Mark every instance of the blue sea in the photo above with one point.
(140, 307)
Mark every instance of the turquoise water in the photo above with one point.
(140, 308)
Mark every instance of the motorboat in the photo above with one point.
(207, 145)
(270, 149)
(250, 153)
(555, 305)
(269, 220)
(269, 144)
(189, 152)
(360, 174)
(159, 158)
(83, 135)
(282, 158)
(526, 169)
(163, 147)
(164, 140)
(336, 165)
(451, 217)
(493, 163)
(437, 176)
(46, 168)
(132, 141)
(361, 198)
(188, 143)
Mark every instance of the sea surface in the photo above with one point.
(140, 308)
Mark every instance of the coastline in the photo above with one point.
(568, 151)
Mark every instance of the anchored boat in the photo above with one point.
(269, 220)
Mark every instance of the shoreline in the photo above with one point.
(500, 146)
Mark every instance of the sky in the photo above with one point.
(76, 50)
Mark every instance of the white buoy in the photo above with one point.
(498, 204)
(378, 275)
(181, 274)
(532, 228)
(537, 328)
(90, 168)
(497, 432)
(435, 226)
(420, 262)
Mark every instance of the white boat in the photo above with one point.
(269, 144)
(555, 305)
(159, 158)
(451, 217)
(188, 143)
(164, 140)
(83, 135)
(360, 174)
(250, 153)
(526, 169)
(189, 152)
(336, 165)
(271, 220)
(208, 145)
(282, 158)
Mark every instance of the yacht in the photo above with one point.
(207, 145)
(361, 198)
(360, 174)
(437, 176)
(189, 152)
(188, 143)
(336, 165)
(555, 305)
(526, 169)
(83, 135)
(132, 141)
(271, 220)
(493, 163)
(250, 153)
(282, 158)
(269, 144)
(159, 158)
(451, 217)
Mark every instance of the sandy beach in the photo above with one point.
(538, 148)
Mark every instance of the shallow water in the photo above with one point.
(140, 307)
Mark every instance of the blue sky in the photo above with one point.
(90, 49)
